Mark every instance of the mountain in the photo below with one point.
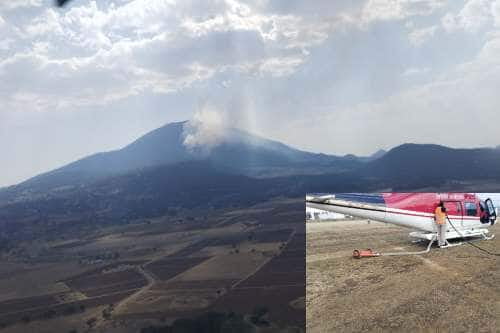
(244, 153)
(160, 146)
(157, 173)
(379, 153)
(156, 190)
(376, 155)
(240, 152)
(147, 192)
(418, 165)
(152, 192)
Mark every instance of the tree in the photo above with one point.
(91, 322)
(106, 313)
(259, 315)
(70, 310)
(49, 314)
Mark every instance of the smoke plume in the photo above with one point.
(205, 131)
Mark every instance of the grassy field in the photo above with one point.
(447, 290)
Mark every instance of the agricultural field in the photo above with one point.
(280, 281)
(153, 272)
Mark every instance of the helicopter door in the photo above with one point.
(492, 214)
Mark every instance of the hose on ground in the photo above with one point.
(470, 243)
(410, 253)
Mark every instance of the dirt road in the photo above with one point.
(150, 278)
(455, 289)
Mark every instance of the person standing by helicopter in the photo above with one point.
(440, 217)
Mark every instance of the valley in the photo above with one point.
(153, 271)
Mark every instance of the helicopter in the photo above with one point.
(467, 214)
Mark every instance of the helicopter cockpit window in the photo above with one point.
(470, 209)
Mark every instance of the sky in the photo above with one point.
(325, 76)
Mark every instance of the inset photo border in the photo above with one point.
(379, 261)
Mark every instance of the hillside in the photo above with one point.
(418, 165)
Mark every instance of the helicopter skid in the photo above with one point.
(453, 234)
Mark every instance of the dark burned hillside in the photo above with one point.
(144, 193)
(153, 192)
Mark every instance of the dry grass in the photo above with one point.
(447, 290)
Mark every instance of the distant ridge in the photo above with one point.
(378, 154)
(421, 163)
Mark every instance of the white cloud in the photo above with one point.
(14, 4)
(495, 10)
(449, 22)
(5, 44)
(383, 10)
(472, 17)
(285, 31)
(404, 118)
(486, 63)
(419, 36)
(416, 71)
(280, 66)
(464, 100)
(99, 54)
(94, 80)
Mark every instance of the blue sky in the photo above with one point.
(327, 76)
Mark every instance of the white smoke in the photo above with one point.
(205, 131)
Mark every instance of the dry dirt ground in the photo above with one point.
(447, 290)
